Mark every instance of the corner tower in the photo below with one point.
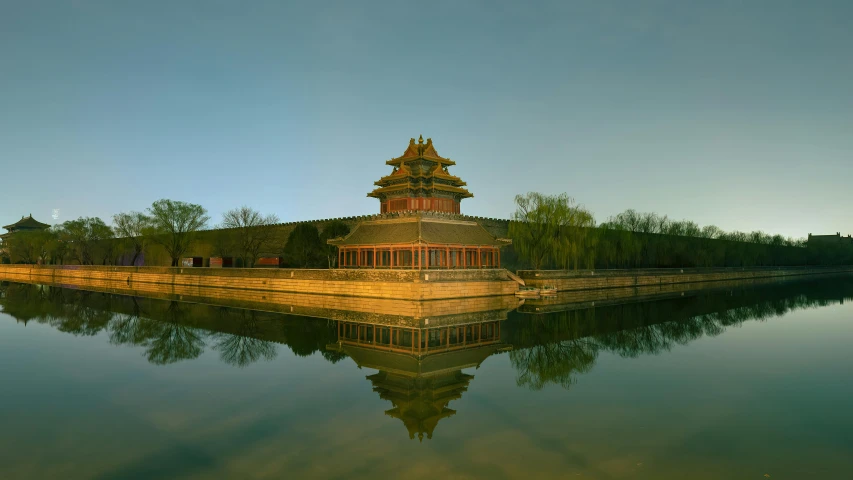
(420, 181)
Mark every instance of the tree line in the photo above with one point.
(243, 233)
(553, 231)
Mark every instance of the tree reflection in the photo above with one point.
(555, 363)
(173, 340)
(554, 348)
(244, 348)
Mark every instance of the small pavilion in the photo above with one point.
(419, 225)
(25, 224)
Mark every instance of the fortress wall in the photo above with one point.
(205, 244)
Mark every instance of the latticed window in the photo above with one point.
(400, 204)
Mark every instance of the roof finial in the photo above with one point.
(421, 139)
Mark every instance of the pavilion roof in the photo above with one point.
(26, 223)
(420, 150)
(432, 364)
(431, 189)
(419, 228)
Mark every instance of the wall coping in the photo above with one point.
(356, 275)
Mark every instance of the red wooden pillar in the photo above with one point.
(392, 257)
(447, 254)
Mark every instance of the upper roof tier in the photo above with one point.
(420, 173)
(27, 223)
(420, 150)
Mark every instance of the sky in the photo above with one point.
(732, 113)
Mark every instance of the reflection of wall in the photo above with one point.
(580, 299)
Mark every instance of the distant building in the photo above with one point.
(419, 225)
(25, 224)
(830, 240)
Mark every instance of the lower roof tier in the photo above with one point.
(419, 228)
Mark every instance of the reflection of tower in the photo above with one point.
(420, 369)
(420, 402)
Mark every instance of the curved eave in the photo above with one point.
(395, 176)
(397, 189)
(399, 160)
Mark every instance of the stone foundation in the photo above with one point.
(414, 285)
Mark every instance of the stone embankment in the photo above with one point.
(569, 280)
(345, 289)
(415, 285)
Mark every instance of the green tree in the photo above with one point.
(83, 235)
(303, 248)
(133, 228)
(252, 231)
(29, 246)
(58, 246)
(333, 229)
(175, 225)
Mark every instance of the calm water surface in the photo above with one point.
(724, 384)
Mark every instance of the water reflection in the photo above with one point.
(420, 369)
(554, 347)
(419, 355)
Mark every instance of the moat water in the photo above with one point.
(731, 383)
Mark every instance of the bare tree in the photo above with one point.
(254, 231)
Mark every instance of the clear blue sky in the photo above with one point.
(733, 113)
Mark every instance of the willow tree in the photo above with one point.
(577, 238)
(546, 228)
(534, 226)
(175, 225)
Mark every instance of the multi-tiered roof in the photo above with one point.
(419, 225)
(420, 181)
